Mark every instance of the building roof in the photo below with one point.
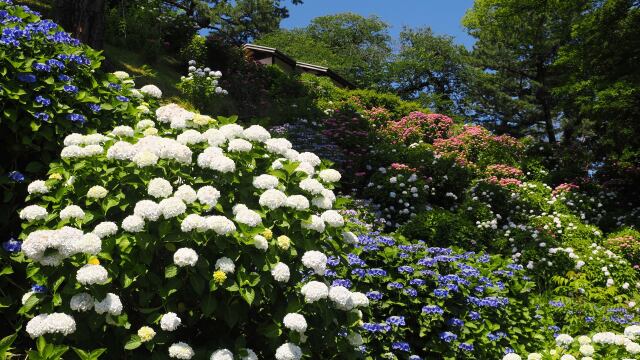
(300, 66)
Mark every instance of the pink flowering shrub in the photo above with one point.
(475, 145)
(565, 187)
(627, 244)
(418, 126)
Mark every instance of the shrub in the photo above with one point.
(416, 127)
(50, 86)
(195, 49)
(201, 87)
(431, 302)
(443, 228)
(627, 243)
(151, 239)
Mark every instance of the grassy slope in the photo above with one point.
(164, 73)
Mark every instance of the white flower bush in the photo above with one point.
(173, 229)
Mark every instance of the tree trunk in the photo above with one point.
(84, 19)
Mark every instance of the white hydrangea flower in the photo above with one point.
(315, 223)
(65, 241)
(632, 332)
(322, 202)
(564, 340)
(359, 299)
(231, 131)
(260, 242)
(332, 218)
(265, 182)
(72, 152)
(170, 321)
(122, 131)
(133, 223)
(310, 158)
(151, 90)
(145, 158)
(355, 339)
(248, 217)
(220, 224)
(174, 115)
(38, 187)
(330, 175)
(190, 137)
(295, 322)
(97, 192)
(121, 74)
(298, 202)
(214, 137)
(311, 186)
(111, 305)
(349, 237)
(256, 133)
(314, 291)
(512, 356)
(587, 350)
(216, 162)
(91, 274)
(145, 124)
(208, 195)
(315, 260)
(147, 210)
(81, 302)
(181, 350)
(226, 265)
(74, 139)
(251, 355)
(222, 354)
(71, 212)
(185, 257)
(121, 150)
(159, 188)
(239, 145)
(278, 146)
(341, 297)
(54, 323)
(288, 351)
(89, 244)
(280, 272)
(538, 356)
(273, 199)
(292, 155)
(33, 212)
(306, 168)
(186, 194)
(172, 207)
(193, 222)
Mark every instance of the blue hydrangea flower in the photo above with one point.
(28, 78)
(342, 282)
(64, 78)
(72, 89)
(41, 116)
(456, 322)
(432, 309)
(77, 118)
(359, 272)
(38, 288)
(448, 336)
(402, 346)
(474, 315)
(374, 295)
(122, 98)
(396, 320)
(12, 245)
(441, 293)
(331, 260)
(94, 107)
(411, 292)
(115, 86)
(16, 176)
(466, 346)
(376, 272)
(395, 285)
(417, 282)
(43, 100)
(42, 67)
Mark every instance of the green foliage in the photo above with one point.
(433, 70)
(195, 49)
(356, 47)
(443, 228)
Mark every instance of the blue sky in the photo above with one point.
(443, 16)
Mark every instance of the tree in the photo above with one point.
(433, 69)
(358, 47)
(517, 44)
(236, 21)
(84, 19)
(301, 46)
(601, 82)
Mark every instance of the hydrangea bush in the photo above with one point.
(50, 86)
(431, 302)
(187, 237)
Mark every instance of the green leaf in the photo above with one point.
(170, 271)
(5, 345)
(134, 342)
